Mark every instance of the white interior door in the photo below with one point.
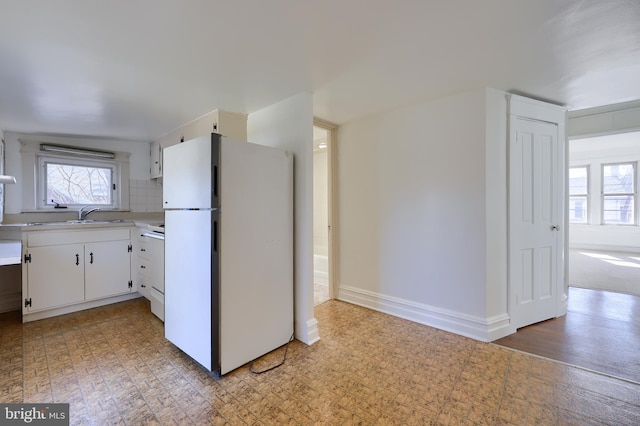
(535, 202)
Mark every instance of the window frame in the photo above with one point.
(586, 195)
(633, 194)
(30, 151)
(47, 158)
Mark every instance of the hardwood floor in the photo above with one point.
(601, 332)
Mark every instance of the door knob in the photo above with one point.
(555, 228)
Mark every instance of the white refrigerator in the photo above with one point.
(228, 250)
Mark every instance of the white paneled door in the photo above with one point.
(535, 176)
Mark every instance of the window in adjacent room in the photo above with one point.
(579, 194)
(618, 193)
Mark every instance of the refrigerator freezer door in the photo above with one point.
(190, 302)
(189, 173)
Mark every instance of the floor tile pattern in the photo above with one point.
(113, 365)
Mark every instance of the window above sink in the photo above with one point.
(76, 183)
(73, 179)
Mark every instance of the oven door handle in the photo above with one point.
(152, 235)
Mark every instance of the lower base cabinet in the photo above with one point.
(55, 276)
(107, 269)
(73, 267)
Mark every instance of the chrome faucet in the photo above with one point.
(82, 213)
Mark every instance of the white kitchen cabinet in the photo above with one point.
(70, 270)
(56, 276)
(156, 160)
(230, 124)
(150, 264)
(141, 265)
(107, 270)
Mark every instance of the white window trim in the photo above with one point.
(43, 159)
(32, 192)
(587, 194)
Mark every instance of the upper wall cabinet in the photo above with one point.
(156, 159)
(230, 124)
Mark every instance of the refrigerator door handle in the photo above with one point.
(215, 181)
(215, 236)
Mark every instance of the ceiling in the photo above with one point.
(137, 69)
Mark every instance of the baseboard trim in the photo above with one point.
(605, 248)
(308, 332)
(483, 329)
(313, 331)
(321, 269)
(78, 307)
(320, 277)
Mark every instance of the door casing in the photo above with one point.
(331, 202)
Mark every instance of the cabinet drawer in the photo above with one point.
(144, 268)
(143, 251)
(50, 238)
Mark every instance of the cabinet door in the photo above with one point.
(107, 269)
(55, 276)
(156, 160)
(230, 124)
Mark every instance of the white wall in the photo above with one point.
(416, 231)
(139, 161)
(289, 125)
(1, 173)
(594, 152)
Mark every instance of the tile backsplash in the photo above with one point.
(145, 195)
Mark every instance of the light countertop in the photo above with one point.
(10, 252)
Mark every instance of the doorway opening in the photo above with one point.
(323, 136)
(601, 329)
(603, 250)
